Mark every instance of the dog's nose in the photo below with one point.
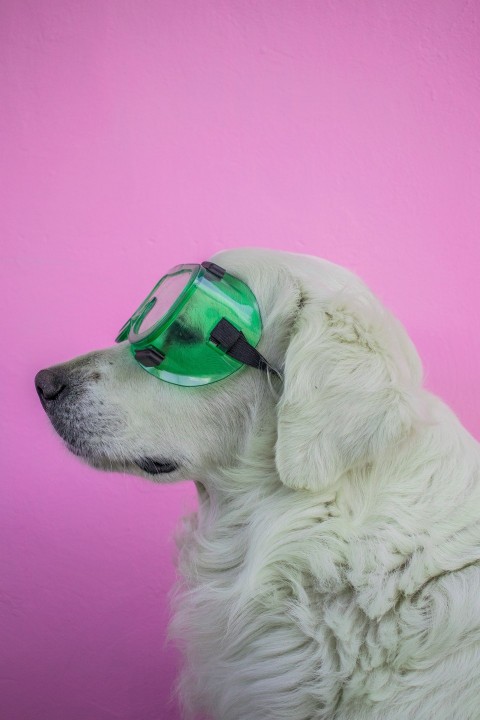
(49, 384)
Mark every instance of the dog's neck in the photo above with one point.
(352, 521)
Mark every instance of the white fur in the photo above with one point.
(332, 570)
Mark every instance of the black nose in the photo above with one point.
(49, 384)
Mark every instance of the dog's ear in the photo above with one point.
(350, 378)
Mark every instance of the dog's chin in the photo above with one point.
(148, 465)
(99, 457)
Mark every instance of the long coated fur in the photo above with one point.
(332, 570)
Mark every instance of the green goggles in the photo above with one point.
(198, 325)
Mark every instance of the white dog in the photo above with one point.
(333, 567)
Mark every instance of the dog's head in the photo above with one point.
(350, 376)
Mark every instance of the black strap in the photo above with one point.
(234, 343)
(214, 270)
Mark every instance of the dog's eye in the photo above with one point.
(184, 334)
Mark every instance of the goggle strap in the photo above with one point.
(214, 270)
(234, 343)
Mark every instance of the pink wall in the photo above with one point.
(140, 134)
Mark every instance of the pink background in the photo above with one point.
(139, 134)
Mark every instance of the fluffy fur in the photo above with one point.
(332, 570)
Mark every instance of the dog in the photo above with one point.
(332, 570)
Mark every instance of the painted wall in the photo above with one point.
(139, 134)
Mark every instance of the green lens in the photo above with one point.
(161, 300)
(181, 333)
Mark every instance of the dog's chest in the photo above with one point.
(254, 611)
(269, 614)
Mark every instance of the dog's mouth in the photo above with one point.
(77, 430)
(154, 466)
(149, 465)
(84, 428)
